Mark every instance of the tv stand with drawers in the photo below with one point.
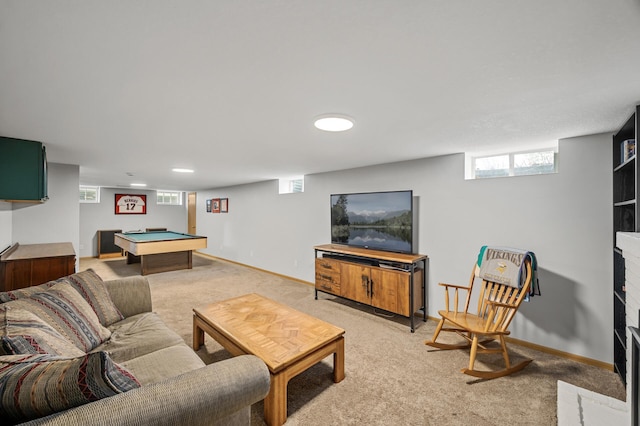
(394, 282)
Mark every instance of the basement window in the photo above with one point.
(291, 185)
(170, 198)
(89, 194)
(512, 164)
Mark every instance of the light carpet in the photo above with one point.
(391, 376)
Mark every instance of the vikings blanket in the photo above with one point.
(506, 265)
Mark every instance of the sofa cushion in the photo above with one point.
(137, 336)
(63, 308)
(8, 296)
(163, 364)
(25, 333)
(92, 288)
(33, 386)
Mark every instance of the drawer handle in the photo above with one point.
(326, 265)
(326, 277)
(326, 287)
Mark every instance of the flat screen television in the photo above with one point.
(373, 220)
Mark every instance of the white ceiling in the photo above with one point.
(230, 88)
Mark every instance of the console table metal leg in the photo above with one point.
(338, 361)
(424, 291)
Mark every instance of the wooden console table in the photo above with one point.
(32, 264)
(394, 282)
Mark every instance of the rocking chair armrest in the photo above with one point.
(501, 305)
(461, 287)
(455, 290)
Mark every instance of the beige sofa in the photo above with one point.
(152, 376)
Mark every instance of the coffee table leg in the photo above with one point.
(275, 404)
(338, 361)
(198, 334)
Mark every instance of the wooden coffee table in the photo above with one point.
(288, 341)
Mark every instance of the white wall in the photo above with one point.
(55, 220)
(565, 218)
(6, 221)
(94, 217)
(62, 218)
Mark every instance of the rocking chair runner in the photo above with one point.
(497, 304)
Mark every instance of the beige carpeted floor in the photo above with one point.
(391, 376)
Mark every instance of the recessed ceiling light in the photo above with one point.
(138, 184)
(334, 122)
(182, 170)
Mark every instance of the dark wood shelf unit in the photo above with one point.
(626, 218)
(106, 245)
(32, 264)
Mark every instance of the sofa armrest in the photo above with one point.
(198, 397)
(131, 295)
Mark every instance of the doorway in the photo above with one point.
(191, 213)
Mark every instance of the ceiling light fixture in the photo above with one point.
(182, 170)
(138, 184)
(334, 122)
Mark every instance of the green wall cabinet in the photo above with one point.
(23, 170)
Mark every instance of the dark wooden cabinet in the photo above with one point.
(393, 282)
(106, 244)
(626, 218)
(32, 264)
(23, 170)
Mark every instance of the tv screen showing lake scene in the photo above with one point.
(375, 220)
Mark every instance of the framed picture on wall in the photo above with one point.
(224, 205)
(215, 205)
(130, 204)
(208, 206)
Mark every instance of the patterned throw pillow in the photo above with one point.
(8, 296)
(63, 308)
(33, 386)
(25, 333)
(93, 290)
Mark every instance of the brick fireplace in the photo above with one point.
(577, 406)
(629, 243)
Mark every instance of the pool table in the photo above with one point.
(159, 251)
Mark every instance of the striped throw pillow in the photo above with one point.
(33, 386)
(64, 309)
(8, 296)
(93, 290)
(25, 333)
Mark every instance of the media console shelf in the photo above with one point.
(394, 282)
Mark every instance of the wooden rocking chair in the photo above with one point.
(497, 304)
